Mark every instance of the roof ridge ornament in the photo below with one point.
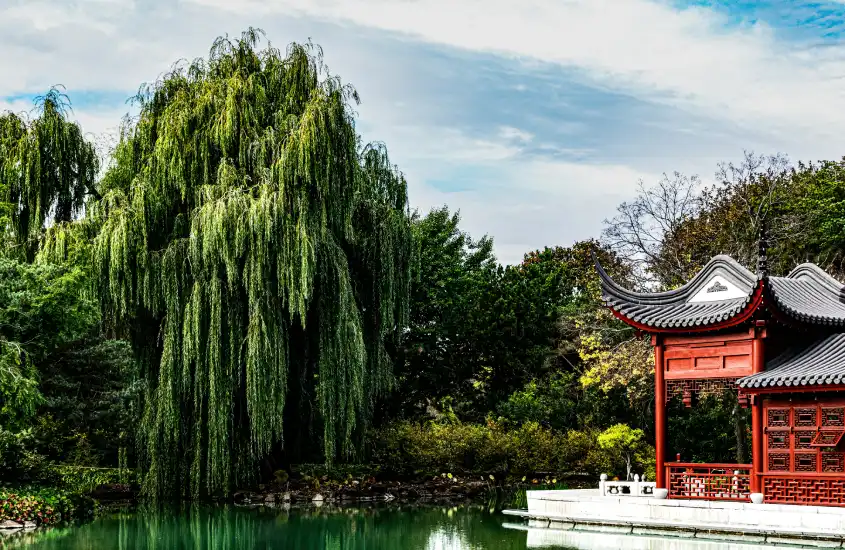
(717, 287)
(762, 250)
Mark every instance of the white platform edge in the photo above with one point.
(777, 523)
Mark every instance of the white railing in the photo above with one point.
(635, 488)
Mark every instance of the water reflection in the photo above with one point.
(325, 528)
(592, 540)
(337, 528)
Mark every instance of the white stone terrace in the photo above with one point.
(588, 510)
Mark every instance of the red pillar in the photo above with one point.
(757, 365)
(659, 413)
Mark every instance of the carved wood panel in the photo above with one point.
(804, 435)
(823, 491)
(833, 462)
(833, 417)
(802, 439)
(779, 462)
(778, 417)
(699, 387)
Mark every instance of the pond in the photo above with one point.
(329, 528)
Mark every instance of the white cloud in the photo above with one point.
(510, 133)
(744, 76)
(526, 202)
(683, 57)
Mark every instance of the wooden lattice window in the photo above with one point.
(804, 439)
(805, 462)
(778, 418)
(779, 462)
(805, 417)
(827, 438)
(817, 432)
(778, 440)
(833, 462)
(833, 417)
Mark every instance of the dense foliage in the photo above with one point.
(43, 506)
(243, 288)
(250, 244)
(432, 448)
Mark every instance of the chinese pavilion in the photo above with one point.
(777, 341)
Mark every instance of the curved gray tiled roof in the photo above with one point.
(808, 295)
(821, 363)
(672, 308)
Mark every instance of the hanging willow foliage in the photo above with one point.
(253, 251)
(47, 169)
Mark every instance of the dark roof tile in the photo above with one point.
(807, 294)
(820, 363)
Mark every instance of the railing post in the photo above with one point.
(603, 485)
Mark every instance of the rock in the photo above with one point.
(29, 525)
(9, 524)
(270, 498)
(286, 497)
(317, 498)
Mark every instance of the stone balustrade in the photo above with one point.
(635, 488)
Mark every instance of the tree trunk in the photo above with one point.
(740, 429)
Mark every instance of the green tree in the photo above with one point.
(251, 248)
(443, 347)
(625, 444)
(47, 170)
(58, 380)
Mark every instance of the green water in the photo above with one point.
(329, 528)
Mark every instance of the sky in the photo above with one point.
(534, 118)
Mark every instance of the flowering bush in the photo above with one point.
(43, 506)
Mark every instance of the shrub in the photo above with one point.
(19, 462)
(84, 479)
(43, 506)
(433, 448)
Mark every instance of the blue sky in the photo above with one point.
(534, 118)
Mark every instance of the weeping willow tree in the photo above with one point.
(257, 256)
(47, 170)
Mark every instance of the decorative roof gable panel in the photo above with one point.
(718, 289)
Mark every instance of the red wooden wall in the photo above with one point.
(707, 356)
(804, 462)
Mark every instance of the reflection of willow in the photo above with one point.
(25, 539)
(327, 528)
(198, 527)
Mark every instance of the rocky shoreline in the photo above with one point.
(9, 527)
(444, 489)
(435, 490)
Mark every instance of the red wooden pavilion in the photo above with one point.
(780, 343)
